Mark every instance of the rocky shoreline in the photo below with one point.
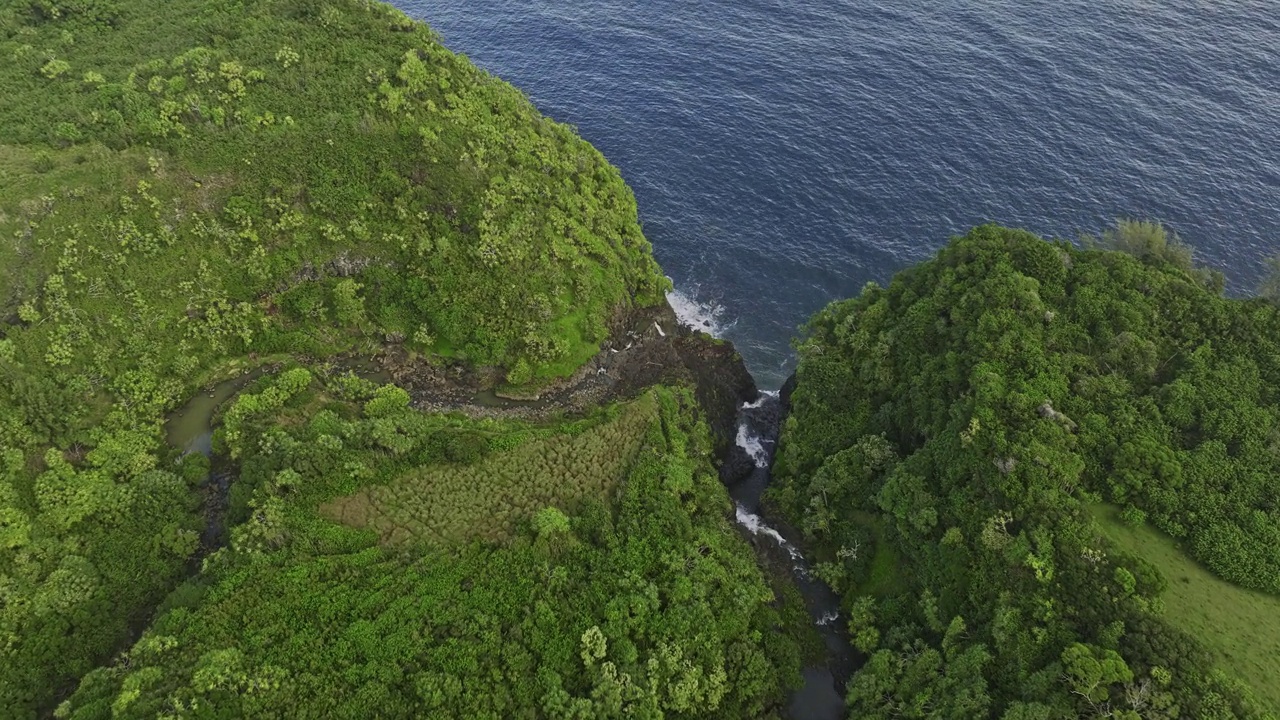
(647, 346)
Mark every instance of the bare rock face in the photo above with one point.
(737, 465)
(646, 347)
(669, 352)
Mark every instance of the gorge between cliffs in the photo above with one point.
(649, 347)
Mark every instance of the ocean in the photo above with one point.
(785, 153)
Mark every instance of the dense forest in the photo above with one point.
(1042, 476)
(597, 575)
(986, 423)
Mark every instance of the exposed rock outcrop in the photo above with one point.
(647, 346)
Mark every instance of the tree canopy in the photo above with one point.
(963, 421)
(636, 599)
(190, 188)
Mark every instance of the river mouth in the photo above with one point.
(820, 697)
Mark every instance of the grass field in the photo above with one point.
(886, 577)
(446, 504)
(1240, 627)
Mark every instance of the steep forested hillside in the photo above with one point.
(192, 187)
(968, 420)
(479, 570)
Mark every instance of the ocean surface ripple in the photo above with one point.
(785, 153)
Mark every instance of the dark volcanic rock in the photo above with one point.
(646, 347)
(737, 466)
(784, 396)
(669, 352)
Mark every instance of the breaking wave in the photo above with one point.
(765, 396)
(704, 316)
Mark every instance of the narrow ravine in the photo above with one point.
(746, 473)
(190, 430)
(820, 698)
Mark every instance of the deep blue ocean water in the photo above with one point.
(785, 152)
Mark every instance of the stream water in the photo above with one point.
(821, 696)
(190, 428)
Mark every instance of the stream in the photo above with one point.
(190, 429)
(821, 696)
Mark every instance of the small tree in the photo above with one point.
(55, 69)
(1090, 673)
(549, 522)
(348, 305)
(1147, 240)
(1150, 241)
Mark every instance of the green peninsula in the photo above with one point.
(253, 200)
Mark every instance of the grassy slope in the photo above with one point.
(443, 504)
(1240, 627)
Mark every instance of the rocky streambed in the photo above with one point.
(746, 472)
(648, 346)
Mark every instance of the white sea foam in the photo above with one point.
(764, 395)
(700, 315)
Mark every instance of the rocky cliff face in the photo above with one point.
(647, 346)
(678, 355)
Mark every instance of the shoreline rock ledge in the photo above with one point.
(647, 346)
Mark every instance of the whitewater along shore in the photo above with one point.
(646, 347)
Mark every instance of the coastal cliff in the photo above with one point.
(647, 347)
(459, 433)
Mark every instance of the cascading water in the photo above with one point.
(758, 426)
(746, 473)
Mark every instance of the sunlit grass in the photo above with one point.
(885, 577)
(1240, 627)
(445, 504)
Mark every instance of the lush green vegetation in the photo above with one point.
(967, 414)
(445, 504)
(640, 600)
(357, 180)
(194, 187)
(1241, 628)
(188, 185)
